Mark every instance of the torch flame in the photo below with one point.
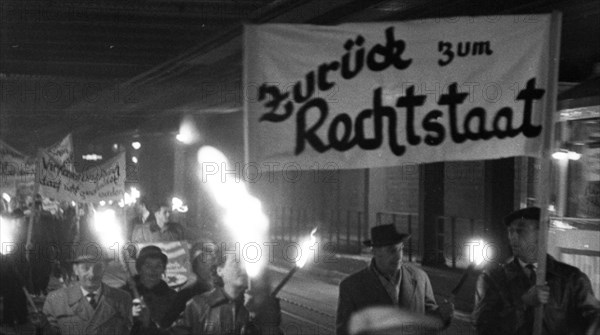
(478, 253)
(305, 247)
(243, 213)
(107, 227)
(7, 232)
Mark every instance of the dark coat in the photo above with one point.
(181, 299)
(364, 289)
(158, 300)
(572, 307)
(212, 313)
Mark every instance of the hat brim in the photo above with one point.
(401, 238)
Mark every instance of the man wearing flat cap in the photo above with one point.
(387, 281)
(89, 306)
(152, 292)
(507, 294)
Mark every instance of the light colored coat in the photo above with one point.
(364, 289)
(69, 313)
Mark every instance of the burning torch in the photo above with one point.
(242, 213)
(476, 257)
(304, 247)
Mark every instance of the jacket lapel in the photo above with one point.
(379, 294)
(514, 272)
(105, 309)
(408, 289)
(78, 303)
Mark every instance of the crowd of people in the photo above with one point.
(145, 304)
(388, 296)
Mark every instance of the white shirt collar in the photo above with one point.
(86, 292)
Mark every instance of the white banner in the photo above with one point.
(382, 94)
(104, 182)
(62, 152)
(17, 171)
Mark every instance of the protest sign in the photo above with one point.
(62, 152)
(362, 95)
(17, 171)
(103, 182)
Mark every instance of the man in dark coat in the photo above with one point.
(153, 297)
(228, 307)
(506, 294)
(388, 281)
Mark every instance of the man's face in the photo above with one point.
(163, 215)
(232, 272)
(203, 260)
(151, 271)
(523, 238)
(90, 274)
(389, 258)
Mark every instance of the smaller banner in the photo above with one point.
(178, 267)
(17, 171)
(62, 152)
(103, 182)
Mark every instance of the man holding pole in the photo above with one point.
(507, 294)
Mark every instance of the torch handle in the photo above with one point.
(284, 281)
(462, 280)
(28, 296)
(130, 282)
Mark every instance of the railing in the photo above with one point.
(342, 228)
(407, 223)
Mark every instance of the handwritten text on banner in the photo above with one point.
(104, 182)
(383, 94)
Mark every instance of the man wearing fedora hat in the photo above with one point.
(87, 307)
(388, 281)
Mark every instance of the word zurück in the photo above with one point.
(344, 132)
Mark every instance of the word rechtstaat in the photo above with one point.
(345, 131)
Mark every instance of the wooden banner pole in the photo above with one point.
(544, 181)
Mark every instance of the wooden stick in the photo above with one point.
(28, 296)
(284, 281)
(542, 193)
(463, 279)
